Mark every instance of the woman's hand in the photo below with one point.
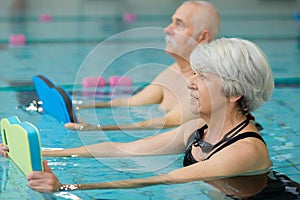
(4, 150)
(44, 181)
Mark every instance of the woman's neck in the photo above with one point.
(219, 125)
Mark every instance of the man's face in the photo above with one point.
(180, 38)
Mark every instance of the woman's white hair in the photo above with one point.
(242, 66)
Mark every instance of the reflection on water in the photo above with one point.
(272, 185)
(13, 184)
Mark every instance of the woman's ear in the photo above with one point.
(234, 99)
(203, 37)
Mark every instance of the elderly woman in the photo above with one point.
(232, 78)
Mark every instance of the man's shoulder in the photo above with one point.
(171, 69)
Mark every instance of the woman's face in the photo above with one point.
(206, 94)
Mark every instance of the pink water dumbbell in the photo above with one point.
(45, 17)
(93, 82)
(120, 81)
(17, 39)
(129, 17)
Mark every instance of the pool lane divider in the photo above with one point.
(30, 86)
(279, 82)
(287, 82)
(114, 81)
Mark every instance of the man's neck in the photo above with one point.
(184, 67)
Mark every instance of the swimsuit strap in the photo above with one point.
(193, 137)
(188, 157)
(202, 129)
(240, 126)
(233, 131)
(235, 139)
(207, 147)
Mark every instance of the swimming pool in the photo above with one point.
(61, 57)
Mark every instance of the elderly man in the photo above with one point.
(193, 23)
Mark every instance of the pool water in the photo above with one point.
(67, 58)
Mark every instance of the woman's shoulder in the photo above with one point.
(250, 151)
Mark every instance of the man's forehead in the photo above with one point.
(185, 12)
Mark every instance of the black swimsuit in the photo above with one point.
(279, 186)
(229, 138)
(189, 158)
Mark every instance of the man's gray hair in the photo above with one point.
(208, 18)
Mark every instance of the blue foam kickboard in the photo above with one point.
(23, 141)
(55, 100)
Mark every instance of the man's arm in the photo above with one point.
(152, 94)
(174, 117)
(156, 123)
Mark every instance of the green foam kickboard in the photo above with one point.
(23, 141)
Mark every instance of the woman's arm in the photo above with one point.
(165, 143)
(170, 142)
(231, 162)
(47, 182)
(155, 123)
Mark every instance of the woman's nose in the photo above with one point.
(191, 82)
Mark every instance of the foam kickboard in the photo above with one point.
(55, 100)
(23, 141)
